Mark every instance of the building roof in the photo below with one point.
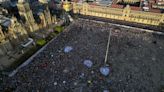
(5, 21)
(37, 8)
(105, 2)
(14, 4)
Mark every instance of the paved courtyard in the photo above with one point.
(136, 61)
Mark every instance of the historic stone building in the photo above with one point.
(42, 23)
(26, 14)
(18, 29)
(12, 33)
(129, 1)
(42, 14)
(126, 14)
(46, 16)
(5, 45)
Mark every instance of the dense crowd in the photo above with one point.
(72, 62)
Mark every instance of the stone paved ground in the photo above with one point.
(136, 61)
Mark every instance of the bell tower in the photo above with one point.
(26, 13)
(126, 12)
(46, 12)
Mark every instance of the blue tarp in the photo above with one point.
(105, 70)
(68, 49)
(88, 63)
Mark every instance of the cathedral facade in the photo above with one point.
(26, 13)
(14, 31)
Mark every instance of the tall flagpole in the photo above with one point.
(107, 49)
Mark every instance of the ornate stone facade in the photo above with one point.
(43, 22)
(18, 29)
(5, 45)
(12, 33)
(45, 16)
(129, 1)
(125, 14)
(25, 12)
